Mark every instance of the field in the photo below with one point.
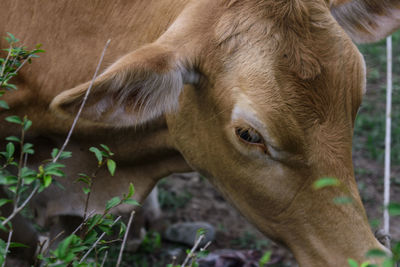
(190, 197)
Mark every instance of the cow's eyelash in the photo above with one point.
(249, 135)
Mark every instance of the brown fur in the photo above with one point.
(182, 75)
(383, 18)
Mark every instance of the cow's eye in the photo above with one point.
(249, 135)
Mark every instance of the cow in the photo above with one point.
(259, 96)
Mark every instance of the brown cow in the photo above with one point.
(260, 96)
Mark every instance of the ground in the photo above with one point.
(190, 197)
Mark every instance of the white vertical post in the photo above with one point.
(388, 134)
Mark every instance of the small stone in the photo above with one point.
(186, 232)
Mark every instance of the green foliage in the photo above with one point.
(18, 178)
(326, 182)
(265, 259)
(249, 241)
(170, 199)
(394, 209)
(17, 57)
(151, 242)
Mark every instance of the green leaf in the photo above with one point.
(122, 229)
(61, 251)
(56, 172)
(200, 232)
(8, 180)
(10, 86)
(27, 148)
(86, 190)
(111, 166)
(4, 201)
(27, 125)
(13, 189)
(204, 253)
(375, 253)
(97, 153)
(113, 202)
(4, 105)
(53, 166)
(11, 38)
(394, 209)
(54, 153)
(131, 191)
(93, 221)
(14, 119)
(64, 154)
(84, 178)
(352, 263)
(10, 149)
(109, 153)
(18, 245)
(131, 202)
(265, 259)
(13, 139)
(47, 180)
(325, 182)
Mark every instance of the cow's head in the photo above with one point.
(260, 97)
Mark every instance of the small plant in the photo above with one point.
(17, 57)
(22, 183)
(194, 254)
(249, 241)
(171, 200)
(151, 242)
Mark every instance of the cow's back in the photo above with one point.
(73, 33)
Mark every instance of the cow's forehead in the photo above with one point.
(294, 29)
(287, 53)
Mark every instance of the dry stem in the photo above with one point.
(196, 245)
(97, 241)
(125, 238)
(7, 247)
(83, 103)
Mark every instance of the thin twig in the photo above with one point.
(17, 210)
(20, 164)
(104, 259)
(206, 246)
(26, 159)
(83, 223)
(3, 68)
(52, 241)
(196, 245)
(97, 241)
(121, 251)
(41, 246)
(83, 103)
(7, 247)
(23, 63)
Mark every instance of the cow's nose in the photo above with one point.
(384, 238)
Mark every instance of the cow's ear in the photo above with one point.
(367, 20)
(138, 87)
